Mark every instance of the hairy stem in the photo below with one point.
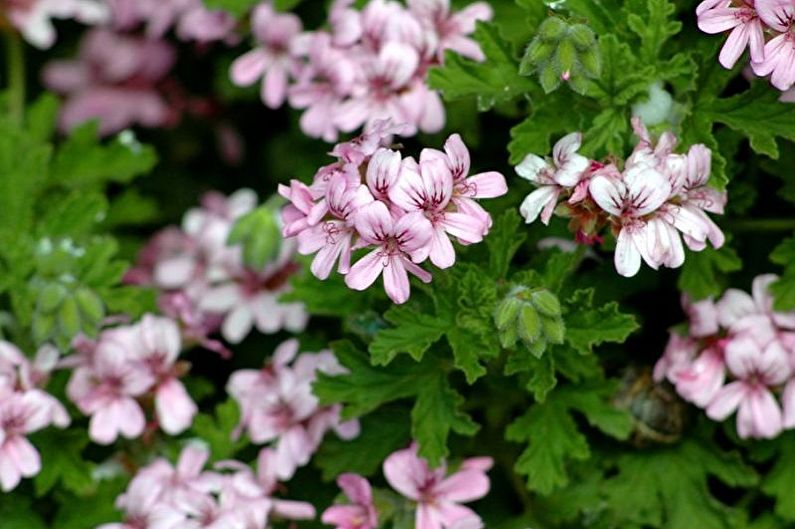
(15, 58)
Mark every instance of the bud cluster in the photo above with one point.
(562, 52)
(532, 315)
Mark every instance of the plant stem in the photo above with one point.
(15, 56)
(762, 225)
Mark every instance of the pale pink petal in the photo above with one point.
(627, 256)
(175, 408)
(463, 486)
(727, 400)
(366, 270)
(487, 185)
(538, 200)
(250, 67)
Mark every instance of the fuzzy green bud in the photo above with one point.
(506, 312)
(538, 51)
(529, 324)
(553, 29)
(538, 347)
(546, 302)
(582, 37)
(51, 297)
(90, 305)
(549, 78)
(591, 62)
(554, 329)
(565, 57)
(260, 235)
(43, 325)
(69, 318)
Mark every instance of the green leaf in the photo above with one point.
(62, 461)
(495, 80)
(16, 512)
(413, 333)
(383, 432)
(780, 481)
(758, 114)
(331, 297)
(534, 134)
(654, 28)
(702, 273)
(365, 388)
(783, 289)
(217, 431)
(554, 438)
(76, 214)
(435, 413)
(668, 487)
(602, 15)
(236, 8)
(41, 117)
(503, 241)
(23, 172)
(608, 134)
(82, 162)
(587, 327)
(80, 512)
(623, 77)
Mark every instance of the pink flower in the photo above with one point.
(32, 17)
(320, 87)
(21, 414)
(703, 316)
(115, 80)
(361, 513)
(739, 311)
(158, 349)
(386, 90)
(452, 29)
(251, 298)
(427, 187)
(438, 497)
(277, 406)
(191, 20)
(106, 387)
(700, 381)
(400, 243)
(272, 61)
(779, 54)
(758, 368)
(565, 171)
(331, 239)
(466, 187)
(640, 192)
(743, 21)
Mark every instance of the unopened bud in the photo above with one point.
(553, 29)
(582, 37)
(529, 324)
(546, 302)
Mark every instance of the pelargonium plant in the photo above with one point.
(410, 264)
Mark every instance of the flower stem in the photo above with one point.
(761, 225)
(15, 57)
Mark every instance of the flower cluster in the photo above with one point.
(763, 26)
(33, 18)
(128, 366)
(119, 93)
(189, 19)
(370, 65)
(206, 285)
(25, 408)
(187, 496)
(437, 495)
(278, 407)
(402, 210)
(739, 355)
(656, 196)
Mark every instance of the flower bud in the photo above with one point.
(51, 297)
(546, 302)
(554, 329)
(506, 312)
(552, 29)
(582, 37)
(529, 327)
(260, 235)
(565, 56)
(90, 305)
(549, 78)
(69, 318)
(591, 62)
(537, 52)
